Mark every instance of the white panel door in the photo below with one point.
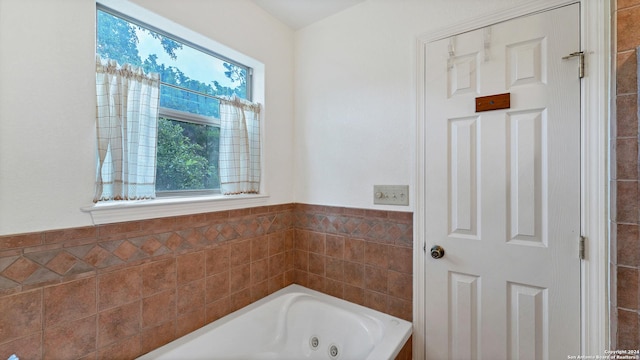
(503, 191)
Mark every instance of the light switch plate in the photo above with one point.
(391, 194)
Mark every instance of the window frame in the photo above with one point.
(186, 204)
(184, 116)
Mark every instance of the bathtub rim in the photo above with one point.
(387, 348)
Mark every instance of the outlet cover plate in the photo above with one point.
(391, 194)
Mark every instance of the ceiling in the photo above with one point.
(300, 13)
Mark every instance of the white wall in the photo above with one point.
(355, 97)
(47, 101)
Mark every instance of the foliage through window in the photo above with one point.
(192, 80)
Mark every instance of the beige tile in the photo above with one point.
(259, 271)
(627, 159)
(621, 4)
(401, 259)
(190, 267)
(627, 202)
(354, 250)
(628, 330)
(375, 279)
(24, 317)
(191, 297)
(259, 248)
(240, 299)
(20, 241)
(334, 288)
(335, 246)
(400, 285)
(628, 31)
(627, 115)
(354, 274)
(240, 252)
(628, 245)
(190, 322)
(277, 264)
(240, 278)
(317, 242)
(217, 287)
(71, 340)
(317, 264)
(626, 73)
(119, 323)
(119, 287)
(335, 269)
(70, 301)
(129, 348)
(217, 309)
(375, 300)
(376, 254)
(217, 260)
(157, 336)
(158, 276)
(158, 308)
(400, 308)
(27, 348)
(627, 288)
(276, 243)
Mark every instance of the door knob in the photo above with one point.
(437, 252)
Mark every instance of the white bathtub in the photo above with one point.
(292, 324)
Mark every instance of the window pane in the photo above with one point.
(187, 156)
(188, 101)
(178, 64)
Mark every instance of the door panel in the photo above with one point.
(503, 191)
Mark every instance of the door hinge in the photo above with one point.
(581, 247)
(580, 55)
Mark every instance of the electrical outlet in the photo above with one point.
(391, 194)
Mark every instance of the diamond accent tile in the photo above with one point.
(191, 236)
(20, 270)
(7, 284)
(265, 224)
(228, 232)
(351, 225)
(393, 232)
(362, 229)
(41, 275)
(377, 232)
(62, 262)
(96, 256)
(79, 267)
(174, 242)
(80, 251)
(241, 228)
(42, 257)
(211, 234)
(151, 246)
(6, 261)
(125, 250)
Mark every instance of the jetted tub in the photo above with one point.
(292, 324)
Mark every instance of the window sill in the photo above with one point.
(106, 213)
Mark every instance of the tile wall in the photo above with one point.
(121, 290)
(626, 247)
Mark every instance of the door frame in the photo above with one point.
(595, 38)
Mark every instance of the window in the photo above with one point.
(192, 80)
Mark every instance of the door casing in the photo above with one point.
(595, 35)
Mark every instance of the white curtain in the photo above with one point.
(127, 117)
(239, 146)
